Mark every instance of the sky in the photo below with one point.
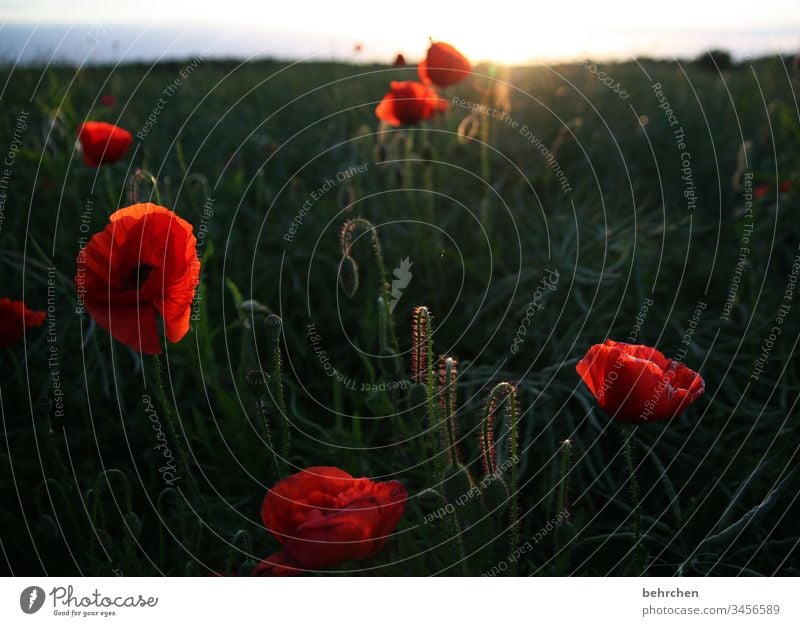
(514, 31)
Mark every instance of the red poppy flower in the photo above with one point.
(784, 186)
(103, 143)
(443, 66)
(399, 60)
(15, 318)
(409, 102)
(638, 384)
(144, 262)
(108, 100)
(324, 517)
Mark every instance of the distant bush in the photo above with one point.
(713, 60)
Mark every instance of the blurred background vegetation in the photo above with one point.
(240, 148)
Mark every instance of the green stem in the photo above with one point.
(449, 422)
(628, 432)
(512, 414)
(460, 552)
(562, 555)
(262, 412)
(281, 401)
(171, 421)
(433, 413)
(566, 454)
(514, 480)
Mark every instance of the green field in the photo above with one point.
(638, 219)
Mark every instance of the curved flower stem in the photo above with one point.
(277, 373)
(511, 412)
(384, 288)
(627, 433)
(459, 553)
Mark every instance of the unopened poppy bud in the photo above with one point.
(133, 524)
(348, 276)
(47, 527)
(142, 186)
(256, 382)
(429, 499)
(274, 326)
(457, 484)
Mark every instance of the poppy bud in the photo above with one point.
(47, 526)
(274, 326)
(141, 186)
(133, 524)
(256, 382)
(495, 494)
(429, 499)
(348, 276)
(456, 483)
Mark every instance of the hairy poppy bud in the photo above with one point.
(495, 494)
(256, 382)
(274, 326)
(457, 484)
(348, 276)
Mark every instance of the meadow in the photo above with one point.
(548, 209)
